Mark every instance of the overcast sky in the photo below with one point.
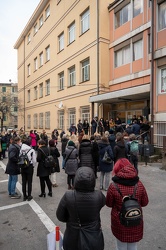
(14, 14)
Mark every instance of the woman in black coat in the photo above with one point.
(42, 171)
(85, 152)
(55, 153)
(84, 202)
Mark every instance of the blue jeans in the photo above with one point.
(12, 184)
(125, 246)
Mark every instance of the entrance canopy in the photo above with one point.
(130, 94)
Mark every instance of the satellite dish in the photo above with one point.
(60, 105)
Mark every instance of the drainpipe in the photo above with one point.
(24, 83)
(97, 53)
(152, 73)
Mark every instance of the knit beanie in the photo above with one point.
(71, 143)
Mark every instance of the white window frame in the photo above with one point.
(47, 83)
(71, 32)
(28, 95)
(47, 53)
(85, 113)
(47, 120)
(61, 119)
(137, 7)
(85, 21)
(35, 64)
(41, 90)
(41, 59)
(124, 55)
(162, 80)
(71, 116)
(61, 41)
(35, 120)
(41, 21)
(29, 38)
(35, 28)
(61, 80)
(72, 76)
(162, 16)
(85, 70)
(35, 92)
(29, 121)
(121, 14)
(47, 12)
(138, 50)
(41, 118)
(28, 69)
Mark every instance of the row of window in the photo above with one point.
(85, 76)
(13, 89)
(134, 8)
(42, 120)
(39, 24)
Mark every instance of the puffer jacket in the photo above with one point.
(12, 167)
(120, 150)
(42, 171)
(89, 203)
(71, 164)
(104, 167)
(85, 154)
(127, 176)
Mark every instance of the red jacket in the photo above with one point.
(114, 200)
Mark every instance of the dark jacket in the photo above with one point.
(85, 154)
(89, 204)
(42, 171)
(64, 143)
(12, 167)
(114, 200)
(112, 142)
(135, 129)
(120, 150)
(104, 167)
(71, 165)
(55, 153)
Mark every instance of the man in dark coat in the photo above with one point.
(85, 152)
(87, 202)
(12, 167)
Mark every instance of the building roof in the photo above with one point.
(31, 22)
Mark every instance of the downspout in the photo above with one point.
(98, 54)
(24, 83)
(152, 74)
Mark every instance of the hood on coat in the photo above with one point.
(85, 180)
(127, 172)
(103, 144)
(25, 147)
(85, 143)
(120, 144)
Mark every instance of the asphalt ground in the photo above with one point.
(25, 225)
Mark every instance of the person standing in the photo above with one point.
(105, 168)
(65, 139)
(73, 129)
(12, 167)
(101, 126)
(42, 171)
(71, 163)
(37, 138)
(33, 139)
(85, 127)
(87, 202)
(44, 137)
(55, 153)
(85, 153)
(27, 173)
(79, 127)
(120, 149)
(94, 123)
(125, 176)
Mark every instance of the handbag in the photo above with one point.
(106, 158)
(89, 238)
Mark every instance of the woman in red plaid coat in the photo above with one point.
(125, 176)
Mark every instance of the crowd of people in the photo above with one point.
(84, 159)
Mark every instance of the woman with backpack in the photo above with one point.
(105, 168)
(27, 172)
(125, 179)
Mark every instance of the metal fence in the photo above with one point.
(159, 132)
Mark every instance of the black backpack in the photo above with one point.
(131, 212)
(23, 160)
(49, 161)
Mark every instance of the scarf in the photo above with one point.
(126, 182)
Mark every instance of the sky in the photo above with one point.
(14, 15)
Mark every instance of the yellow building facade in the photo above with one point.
(61, 53)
